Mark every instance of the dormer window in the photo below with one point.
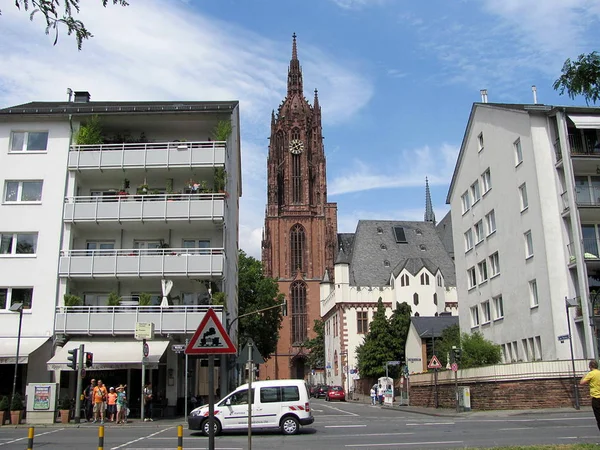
(422, 247)
(400, 235)
(419, 232)
(379, 230)
(383, 247)
(386, 263)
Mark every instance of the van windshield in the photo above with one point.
(237, 398)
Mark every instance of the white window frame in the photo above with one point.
(471, 278)
(518, 152)
(468, 240)
(466, 201)
(523, 197)
(475, 316)
(490, 220)
(201, 246)
(483, 271)
(487, 312)
(9, 290)
(24, 148)
(528, 244)
(533, 294)
(494, 265)
(14, 243)
(479, 232)
(486, 181)
(475, 192)
(498, 307)
(20, 192)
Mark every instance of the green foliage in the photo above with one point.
(316, 345)
(219, 298)
(145, 299)
(114, 299)
(16, 404)
(222, 130)
(255, 292)
(581, 77)
(4, 404)
(64, 403)
(220, 176)
(478, 351)
(72, 300)
(443, 346)
(90, 133)
(58, 12)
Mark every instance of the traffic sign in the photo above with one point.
(564, 337)
(145, 349)
(210, 337)
(178, 348)
(454, 367)
(434, 363)
(394, 363)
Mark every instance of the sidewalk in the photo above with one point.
(135, 423)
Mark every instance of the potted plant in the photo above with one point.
(220, 177)
(65, 409)
(90, 133)
(142, 189)
(114, 299)
(222, 130)
(72, 300)
(219, 298)
(3, 410)
(145, 299)
(16, 409)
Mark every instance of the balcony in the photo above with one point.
(160, 207)
(119, 320)
(173, 262)
(590, 251)
(145, 155)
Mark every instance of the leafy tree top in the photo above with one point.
(581, 77)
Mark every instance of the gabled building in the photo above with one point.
(420, 342)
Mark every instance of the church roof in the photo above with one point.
(414, 266)
(444, 229)
(345, 243)
(428, 327)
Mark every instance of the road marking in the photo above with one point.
(404, 443)
(344, 426)
(23, 438)
(346, 413)
(430, 423)
(142, 438)
(515, 429)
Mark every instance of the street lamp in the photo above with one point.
(17, 307)
(569, 303)
(345, 353)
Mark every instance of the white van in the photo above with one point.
(283, 404)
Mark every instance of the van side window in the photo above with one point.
(279, 394)
(240, 398)
(290, 394)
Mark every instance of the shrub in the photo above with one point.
(90, 133)
(16, 403)
(64, 403)
(72, 300)
(145, 299)
(4, 404)
(114, 299)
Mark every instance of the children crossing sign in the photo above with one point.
(434, 363)
(210, 338)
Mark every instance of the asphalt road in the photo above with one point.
(337, 426)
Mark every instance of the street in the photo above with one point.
(338, 425)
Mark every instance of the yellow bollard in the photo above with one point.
(180, 437)
(30, 438)
(101, 437)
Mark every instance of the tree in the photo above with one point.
(443, 346)
(399, 325)
(56, 15)
(581, 77)
(478, 351)
(316, 345)
(255, 292)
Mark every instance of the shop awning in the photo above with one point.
(584, 122)
(8, 349)
(112, 354)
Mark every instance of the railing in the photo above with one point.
(169, 154)
(145, 207)
(557, 150)
(587, 196)
(583, 145)
(565, 200)
(589, 247)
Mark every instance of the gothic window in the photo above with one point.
(424, 279)
(435, 302)
(416, 299)
(297, 246)
(296, 179)
(298, 295)
(295, 134)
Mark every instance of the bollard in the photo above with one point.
(30, 438)
(101, 437)
(180, 437)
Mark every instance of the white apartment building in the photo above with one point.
(525, 216)
(149, 214)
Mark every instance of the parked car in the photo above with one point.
(313, 390)
(336, 393)
(321, 391)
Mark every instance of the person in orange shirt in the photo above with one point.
(111, 412)
(100, 396)
(593, 379)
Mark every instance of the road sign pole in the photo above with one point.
(142, 406)
(250, 372)
(456, 388)
(211, 401)
(77, 415)
(185, 384)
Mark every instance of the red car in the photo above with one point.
(336, 393)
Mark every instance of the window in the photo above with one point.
(518, 152)
(97, 299)
(32, 141)
(400, 235)
(23, 191)
(439, 280)
(480, 141)
(538, 346)
(483, 272)
(379, 230)
(479, 233)
(494, 265)
(533, 293)
(416, 299)
(528, 244)
(404, 280)
(475, 316)
(297, 244)
(298, 296)
(362, 322)
(240, 397)
(475, 192)
(18, 243)
(100, 248)
(466, 202)
(486, 180)
(148, 247)
(487, 313)
(468, 240)
(523, 195)
(490, 220)
(472, 277)
(10, 296)
(296, 172)
(424, 279)
(498, 308)
(435, 301)
(279, 394)
(201, 244)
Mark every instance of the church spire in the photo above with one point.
(429, 214)
(294, 72)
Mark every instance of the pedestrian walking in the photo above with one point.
(121, 404)
(593, 379)
(100, 395)
(148, 403)
(373, 395)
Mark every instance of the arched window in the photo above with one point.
(298, 296)
(424, 279)
(297, 246)
(296, 172)
(416, 299)
(435, 299)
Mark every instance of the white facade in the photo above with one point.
(514, 275)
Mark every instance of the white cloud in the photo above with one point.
(410, 169)
(355, 4)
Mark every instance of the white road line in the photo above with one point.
(515, 429)
(560, 419)
(143, 437)
(430, 423)
(344, 426)
(346, 413)
(404, 443)
(36, 435)
(377, 434)
(579, 437)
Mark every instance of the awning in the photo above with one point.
(112, 354)
(585, 122)
(8, 349)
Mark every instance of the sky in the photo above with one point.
(396, 78)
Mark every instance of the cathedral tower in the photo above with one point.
(299, 237)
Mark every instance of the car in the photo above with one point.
(313, 390)
(321, 391)
(283, 404)
(336, 393)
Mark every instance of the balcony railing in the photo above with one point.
(590, 250)
(565, 200)
(557, 150)
(154, 154)
(183, 262)
(160, 207)
(587, 196)
(583, 145)
(113, 320)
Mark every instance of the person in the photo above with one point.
(100, 396)
(148, 403)
(121, 404)
(593, 379)
(111, 411)
(88, 402)
(373, 395)
(380, 392)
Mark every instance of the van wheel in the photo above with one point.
(290, 425)
(206, 428)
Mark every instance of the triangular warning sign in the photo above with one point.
(434, 363)
(210, 337)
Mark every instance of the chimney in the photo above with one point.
(70, 94)
(534, 90)
(484, 98)
(82, 97)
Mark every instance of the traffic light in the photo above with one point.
(72, 359)
(89, 359)
(457, 353)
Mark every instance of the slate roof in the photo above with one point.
(428, 327)
(444, 229)
(344, 250)
(367, 256)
